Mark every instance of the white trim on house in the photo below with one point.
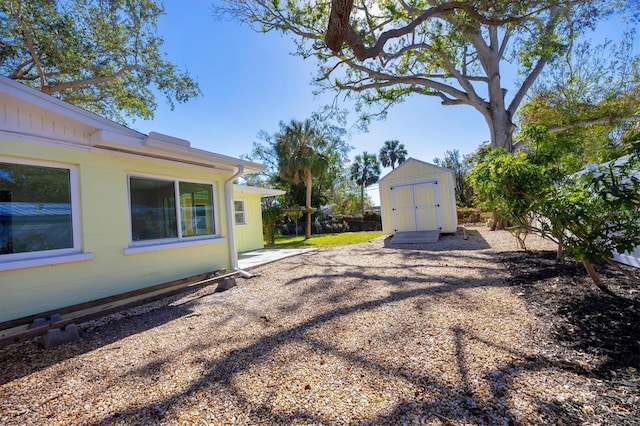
(44, 257)
(45, 261)
(263, 192)
(243, 211)
(139, 246)
(173, 244)
(93, 131)
(416, 207)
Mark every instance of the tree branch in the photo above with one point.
(88, 81)
(338, 23)
(586, 123)
(526, 85)
(409, 80)
(537, 69)
(30, 46)
(356, 43)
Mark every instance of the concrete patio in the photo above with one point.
(251, 259)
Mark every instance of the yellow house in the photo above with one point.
(90, 209)
(248, 215)
(418, 196)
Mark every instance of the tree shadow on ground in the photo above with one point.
(98, 333)
(584, 317)
(456, 403)
(585, 322)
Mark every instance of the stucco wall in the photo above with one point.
(103, 191)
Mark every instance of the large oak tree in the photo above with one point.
(100, 55)
(381, 51)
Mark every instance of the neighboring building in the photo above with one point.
(631, 258)
(418, 196)
(91, 209)
(248, 216)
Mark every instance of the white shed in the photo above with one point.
(418, 196)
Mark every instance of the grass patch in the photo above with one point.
(325, 240)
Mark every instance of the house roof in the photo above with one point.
(100, 133)
(263, 192)
(409, 161)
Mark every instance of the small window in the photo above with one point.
(38, 216)
(155, 215)
(240, 212)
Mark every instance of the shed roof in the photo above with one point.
(109, 135)
(413, 162)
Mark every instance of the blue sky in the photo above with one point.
(251, 82)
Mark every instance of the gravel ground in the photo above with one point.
(357, 335)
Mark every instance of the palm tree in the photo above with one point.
(392, 152)
(365, 171)
(299, 147)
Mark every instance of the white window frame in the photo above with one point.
(145, 246)
(51, 257)
(244, 212)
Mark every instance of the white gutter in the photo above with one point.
(228, 192)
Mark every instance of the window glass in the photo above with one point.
(196, 209)
(239, 212)
(153, 209)
(35, 208)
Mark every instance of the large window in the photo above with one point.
(240, 212)
(37, 217)
(159, 206)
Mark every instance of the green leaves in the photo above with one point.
(365, 171)
(392, 152)
(508, 183)
(597, 212)
(103, 56)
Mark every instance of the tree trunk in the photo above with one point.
(308, 183)
(338, 23)
(595, 277)
(495, 111)
(560, 250)
(500, 127)
(362, 200)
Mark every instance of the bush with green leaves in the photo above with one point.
(509, 184)
(595, 213)
(592, 214)
(270, 216)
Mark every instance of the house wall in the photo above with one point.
(249, 236)
(415, 172)
(105, 232)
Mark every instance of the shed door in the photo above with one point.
(416, 207)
